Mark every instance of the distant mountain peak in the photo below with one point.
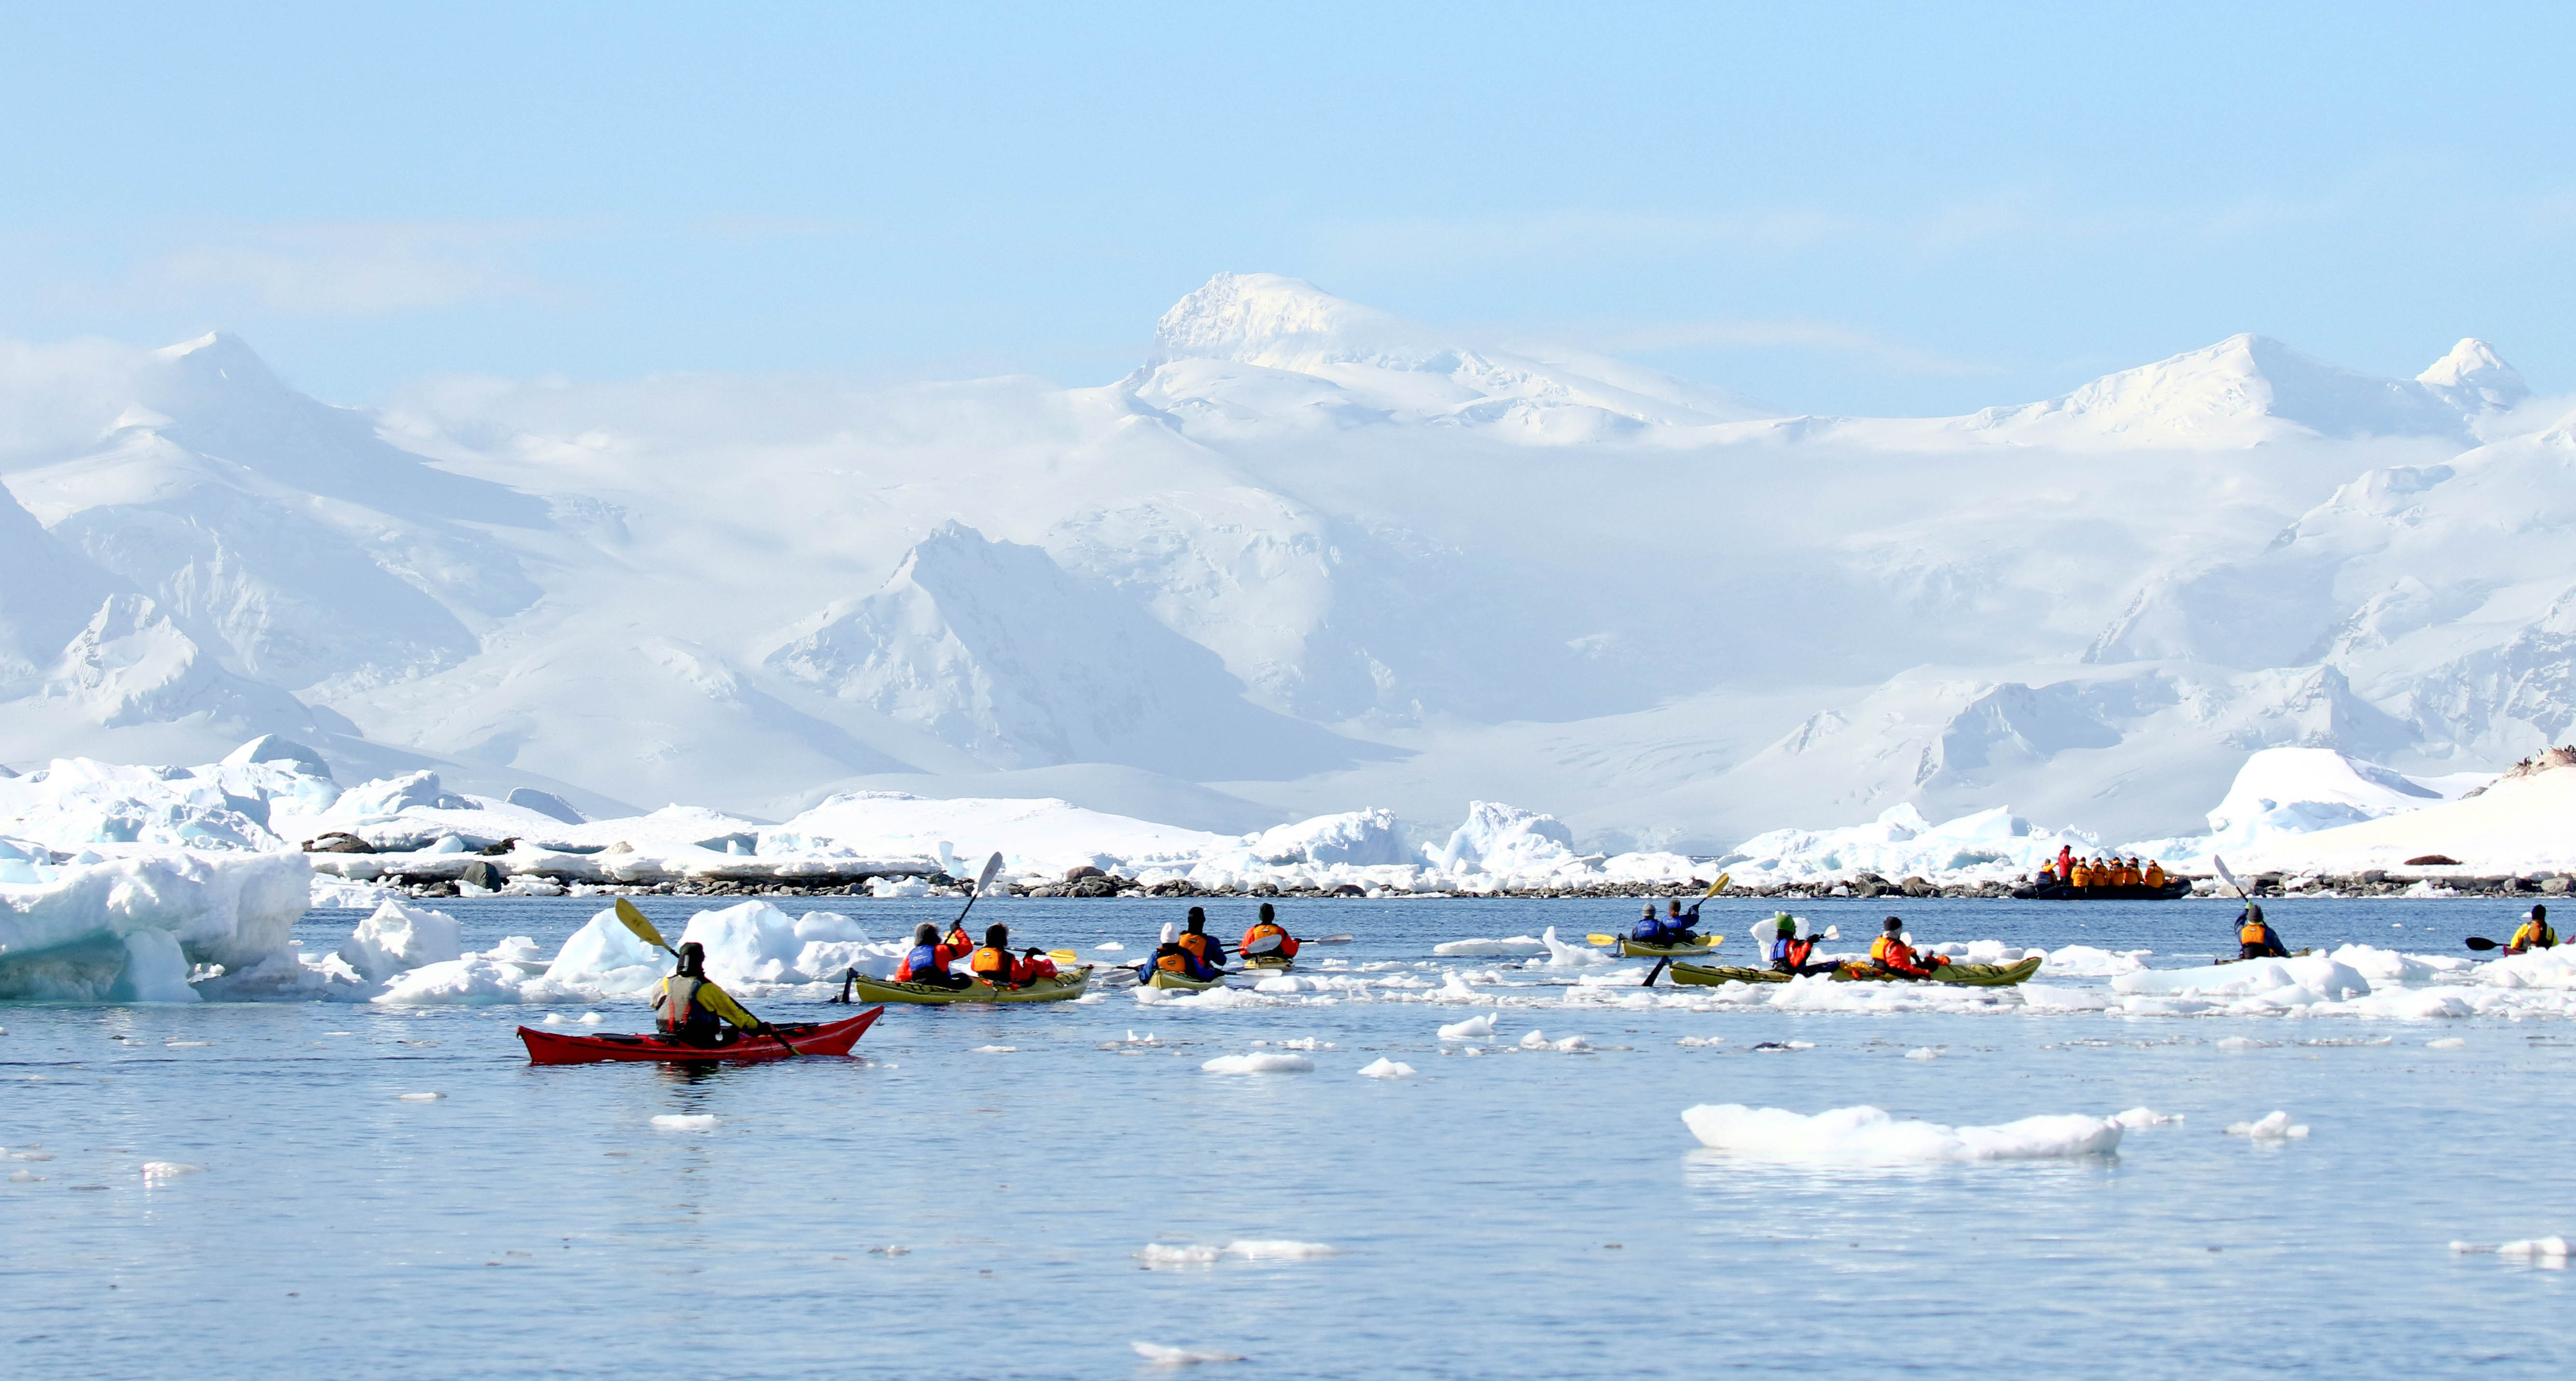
(2473, 367)
(1285, 323)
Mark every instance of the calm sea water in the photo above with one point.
(929, 1208)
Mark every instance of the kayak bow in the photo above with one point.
(810, 1038)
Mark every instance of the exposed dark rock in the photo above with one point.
(486, 875)
(496, 850)
(2433, 861)
(1095, 885)
(338, 842)
(1084, 871)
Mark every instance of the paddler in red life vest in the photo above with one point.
(2255, 938)
(930, 957)
(2534, 933)
(1890, 954)
(993, 962)
(1267, 937)
(689, 1006)
(1791, 950)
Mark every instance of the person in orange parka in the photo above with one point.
(1267, 936)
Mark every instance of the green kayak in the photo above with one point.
(1163, 978)
(1065, 985)
(1964, 975)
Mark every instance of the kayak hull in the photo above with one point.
(1062, 988)
(809, 1038)
(1638, 949)
(1161, 978)
(1275, 963)
(1960, 975)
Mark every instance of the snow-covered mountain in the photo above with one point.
(1308, 556)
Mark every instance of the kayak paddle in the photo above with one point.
(1342, 939)
(2227, 877)
(983, 880)
(644, 931)
(2480, 942)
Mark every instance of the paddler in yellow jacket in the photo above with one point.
(2155, 872)
(689, 1005)
(2534, 933)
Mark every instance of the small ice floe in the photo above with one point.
(1262, 1063)
(2446, 1043)
(1570, 1043)
(1242, 1249)
(684, 1121)
(890, 1250)
(418, 1097)
(1157, 1254)
(169, 1169)
(1534, 1040)
(184, 1045)
(2276, 1127)
(1472, 1029)
(1696, 1041)
(1924, 1052)
(554, 1019)
(994, 1050)
(1113, 947)
(589, 1018)
(1145, 1039)
(25, 1177)
(1784, 1045)
(1384, 1068)
(1302, 1043)
(2548, 1252)
(1868, 1136)
(2244, 1043)
(1483, 949)
(1162, 1356)
(2144, 1117)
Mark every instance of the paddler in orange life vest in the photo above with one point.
(2255, 938)
(930, 957)
(993, 963)
(1267, 937)
(689, 1006)
(1890, 954)
(1194, 954)
(2534, 933)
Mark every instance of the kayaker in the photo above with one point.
(689, 1006)
(1790, 950)
(1267, 936)
(1206, 948)
(1174, 957)
(930, 957)
(2534, 933)
(1682, 927)
(994, 963)
(2255, 938)
(1890, 954)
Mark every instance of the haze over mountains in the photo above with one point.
(1308, 558)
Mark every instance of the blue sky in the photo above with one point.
(1864, 209)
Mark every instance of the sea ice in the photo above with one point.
(1472, 1029)
(2446, 1043)
(1869, 1136)
(2275, 1127)
(1923, 1053)
(1163, 1356)
(419, 1097)
(1259, 1064)
(2144, 1117)
(684, 1121)
(1514, 946)
(171, 1170)
(1384, 1068)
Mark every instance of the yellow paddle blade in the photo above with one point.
(643, 928)
(1601, 939)
(1064, 956)
(1715, 887)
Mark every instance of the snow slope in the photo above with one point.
(1307, 556)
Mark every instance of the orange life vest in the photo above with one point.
(1196, 943)
(992, 965)
(2252, 934)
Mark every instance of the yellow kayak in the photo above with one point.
(1965, 975)
(1163, 978)
(1276, 963)
(1637, 949)
(1067, 984)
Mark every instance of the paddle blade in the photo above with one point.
(2480, 942)
(2225, 876)
(1064, 956)
(644, 931)
(1600, 939)
(984, 879)
(1715, 887)
(1342, 939)
(1833, 932)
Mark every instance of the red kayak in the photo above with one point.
(809, 1038)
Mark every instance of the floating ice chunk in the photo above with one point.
(25, 1177)
(1561, 955)
(419, 1097)
(2241, 1043)
(1259, 1064)
(2276, 1127)
(684, 1121)
(1923, 1053)
(994, 1050)
(1162, 1356)
(2553, 1247)
(1571, 1043)
(1784, 1045)
(1534, 1040)
(2144, 1117)
(1302, 1043)
(554, 1019)
(589, 1018)
(2085, 961)
(171, 1170)
(1516, 945)
(1277, 1249)
(1145, 1039)
(185, 1045)
(1178, 1254)
(1113, 947)
(830, 926)
(2445, 1043)
(1472, 1029)
(1384, 1068)
(1701, 1040)
(1868, 1136)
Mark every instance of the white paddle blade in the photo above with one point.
(2225, 876)
(1833, 932)
(984, 879)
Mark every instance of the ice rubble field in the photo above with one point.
(1323, 1180)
